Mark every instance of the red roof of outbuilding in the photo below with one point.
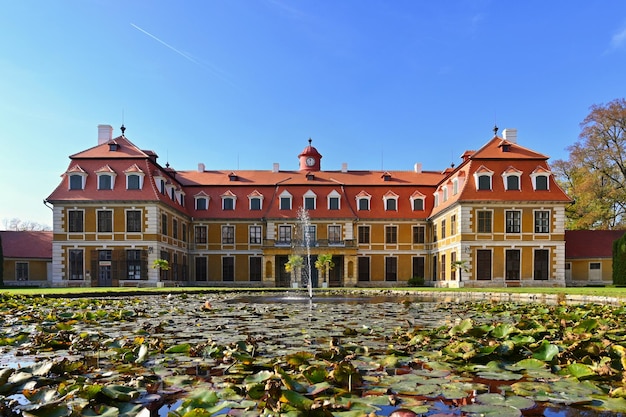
(26, 244)
(590, 243)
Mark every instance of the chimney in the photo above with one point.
(344, 167)
(510, 135)
(105, 133)
(275, 167)
(417, 168)
(200, 167)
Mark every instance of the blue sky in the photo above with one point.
(242, 84)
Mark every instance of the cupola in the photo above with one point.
(310, 159)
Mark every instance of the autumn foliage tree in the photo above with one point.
(595, 174)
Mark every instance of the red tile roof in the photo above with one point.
(27, 244)
(590, 243)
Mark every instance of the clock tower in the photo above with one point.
(310, 159)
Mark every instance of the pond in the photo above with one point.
(286, 354)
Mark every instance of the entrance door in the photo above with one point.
(104, 276)
(512, 264)
(283, 278)
(335, 275)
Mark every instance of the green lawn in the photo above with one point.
(584, 291)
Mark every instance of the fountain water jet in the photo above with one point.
(304, 244)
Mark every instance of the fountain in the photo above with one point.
(299, 263)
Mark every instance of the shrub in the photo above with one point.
(415, 282)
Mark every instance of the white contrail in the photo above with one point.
(184, 55)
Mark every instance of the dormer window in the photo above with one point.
(310, 200)
(285, 200)
(511, 179)
(334, 199)
(113, 146)
(436, 199)
(233, 177)
(540, 178)
(106, 178)
(181, 197)
(228, 200)
(445, 193)
(417, 201)
(482, 178)
(134, 178)
(391, 201)
(256, 200)
(76, 178)
(386, 176)
(455, 186)
(202, 201)
(363, 201)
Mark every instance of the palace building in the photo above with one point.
(497, 219)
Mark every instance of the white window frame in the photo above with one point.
(505, 179)
(534, 176)
(309, 194)
(334, 194)
(138, 174)
(480, 173)
(285, 195)
(83, 178)
(111, 175)
(455, 186)
(535, 213)
(389, 197)
(204, 198)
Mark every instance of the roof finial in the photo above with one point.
(310, 140)
(495, 130)
(123, 129)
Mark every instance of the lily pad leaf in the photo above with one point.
(579, 370)
(521, 403)
(181, 348)
(484, 410)
(546, 351)
(296, 400)
(120, 392)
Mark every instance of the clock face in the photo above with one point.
(310, 161)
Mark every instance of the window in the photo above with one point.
(184, 232)
(334, 234)
(133, 221)
(419, 267)
(105, 221)
(484, 182)
(363, 264)
(201, 268)
(75, 269)
(333, 203)
(228, 268)
(434, 271)
(175, 228)
(202, 203)
(443, 229)
(228, 203)
(418, 204)
(255, 235)
(445, 193)
(541, 182)
(364, 204)
(484, 221)
(75, 221)
(391, 234)
(200, 234)
(435, 238)
(255, 203)
(391, 204)
(255, 268)
(285, 203)
(455, 186)
(513, 221)
(133, 182)
(512, 264)
(284, 234)
(443, 267)
(453, 224)
(595, 266)
(391, 268)
(76, 182)
(21, 271)
(228, 235)
(105, 255)
(164, 224)
(483, 264)
(364, 234)
(419, 233)
(542, 221)
(512, 183)
(133, 264)
(310, 235)
(541, 264)
(104, 182)
(309, 203)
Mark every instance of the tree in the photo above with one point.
(595, 174)
(293, 266)
(16, 224)
(460, 266)
(324, 263)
